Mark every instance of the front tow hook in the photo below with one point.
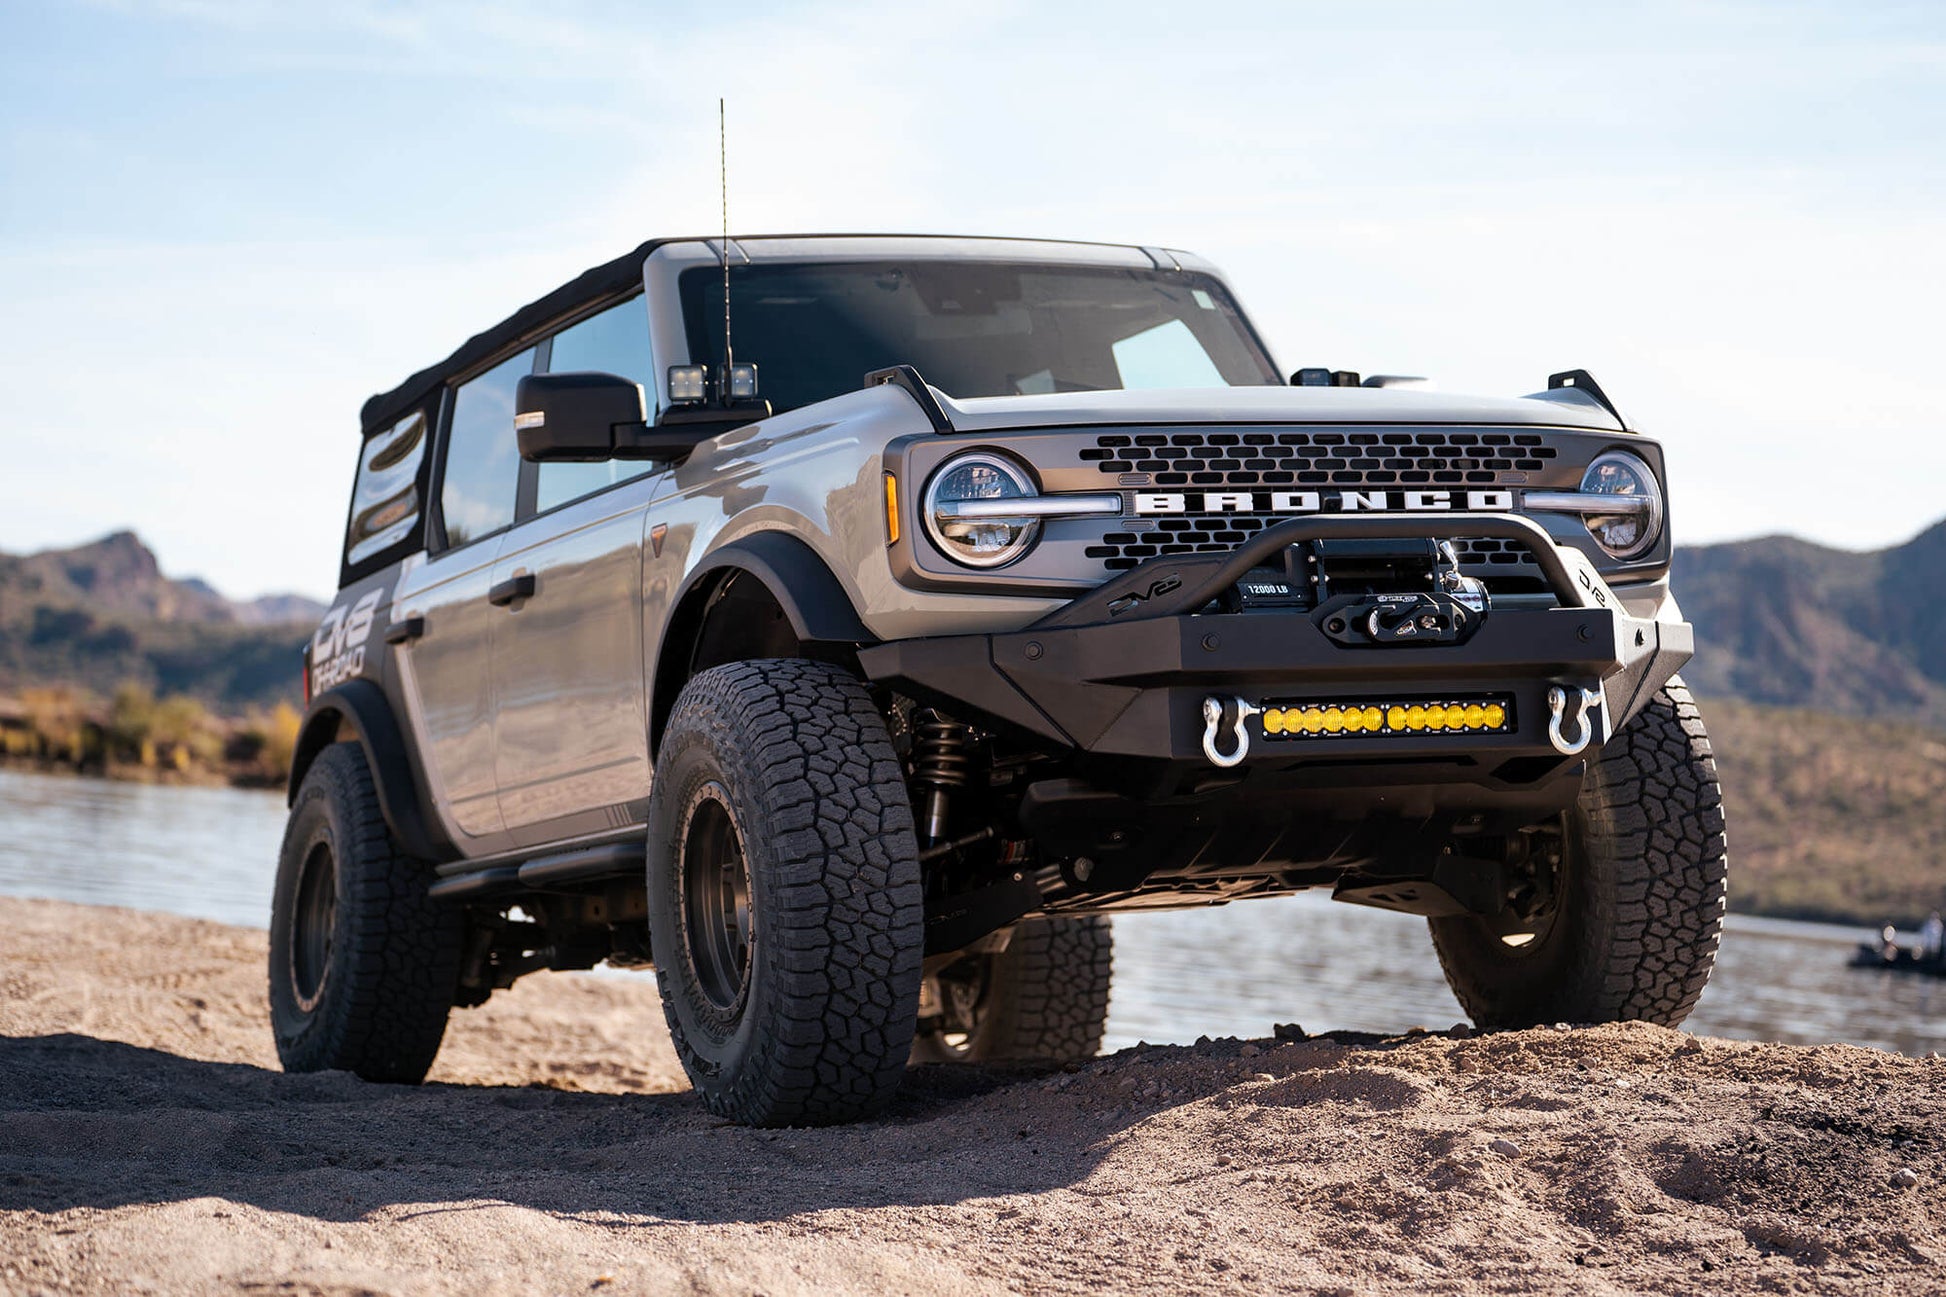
(1586, 700)
(1213, 725)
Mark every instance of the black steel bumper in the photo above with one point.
(1112, 676)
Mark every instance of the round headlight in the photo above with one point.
(965, 511)
(1634, 533)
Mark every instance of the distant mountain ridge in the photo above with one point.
(1831, 817)
(103, 614)
(1795, 624)
(118, 576)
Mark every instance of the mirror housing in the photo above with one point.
(596, 417)
(574, 418)
(591, 418)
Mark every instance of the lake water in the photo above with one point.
(210, 853)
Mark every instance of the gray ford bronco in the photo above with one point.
(845, 627)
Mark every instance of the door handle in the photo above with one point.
(405, 630)
(518, 586)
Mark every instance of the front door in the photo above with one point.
(571, 740)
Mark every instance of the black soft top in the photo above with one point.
(609, 279)
(605, 280)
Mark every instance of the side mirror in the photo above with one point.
(574, 417)
(594, 417)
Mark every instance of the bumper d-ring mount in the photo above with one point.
(1213, 708)
(1586, 700)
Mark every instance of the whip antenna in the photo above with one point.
(723, 172)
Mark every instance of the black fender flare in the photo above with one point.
(360, 706)
(814, 603)
(813, 600)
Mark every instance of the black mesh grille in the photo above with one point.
(1425, 457)
(1189, 534)
(1434, 458)
(1505, 565)
(1499, 556)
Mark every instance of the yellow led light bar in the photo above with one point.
(1492, 715)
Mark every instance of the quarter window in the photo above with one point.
(482, 477)
(614, 342)
(385, 498)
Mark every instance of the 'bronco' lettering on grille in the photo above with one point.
(1321, 501)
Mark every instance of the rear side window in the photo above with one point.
(385, 506)
(482, 475)
(613, 342)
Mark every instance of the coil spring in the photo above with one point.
(942, 752)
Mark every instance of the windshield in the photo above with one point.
(972, 328)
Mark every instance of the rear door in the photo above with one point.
(571, 747)
(447, 670)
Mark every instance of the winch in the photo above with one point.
(1371, 592)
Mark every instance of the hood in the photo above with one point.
(1563, 407)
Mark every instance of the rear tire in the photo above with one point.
(1639, 892)
(785, 911)
(1042, 999)
(363, 963)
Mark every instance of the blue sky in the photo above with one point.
(223, 223)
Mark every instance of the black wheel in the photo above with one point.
(785, 910)
(1043, 998)
(1630, 896)
(363, 963)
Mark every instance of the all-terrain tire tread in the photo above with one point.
(1061, 970)
(397, 952)
(1655, 810)
(845, 920)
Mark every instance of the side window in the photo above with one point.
(385, 499)
(614, 342)
(476, 497)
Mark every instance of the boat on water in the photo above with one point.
(1896, 959)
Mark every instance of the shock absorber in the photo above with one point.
(942, 760)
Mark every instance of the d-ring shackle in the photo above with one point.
(1557, 704)
(1213, 723)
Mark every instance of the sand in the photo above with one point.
(148, 1143)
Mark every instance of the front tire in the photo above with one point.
(363, 963)
(1042, 999)
(785, 911)
(1638, 893)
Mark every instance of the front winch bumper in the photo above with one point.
(1135, 670)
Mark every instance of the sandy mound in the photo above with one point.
(147, 1143)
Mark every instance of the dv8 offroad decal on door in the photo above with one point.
(338, 646)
